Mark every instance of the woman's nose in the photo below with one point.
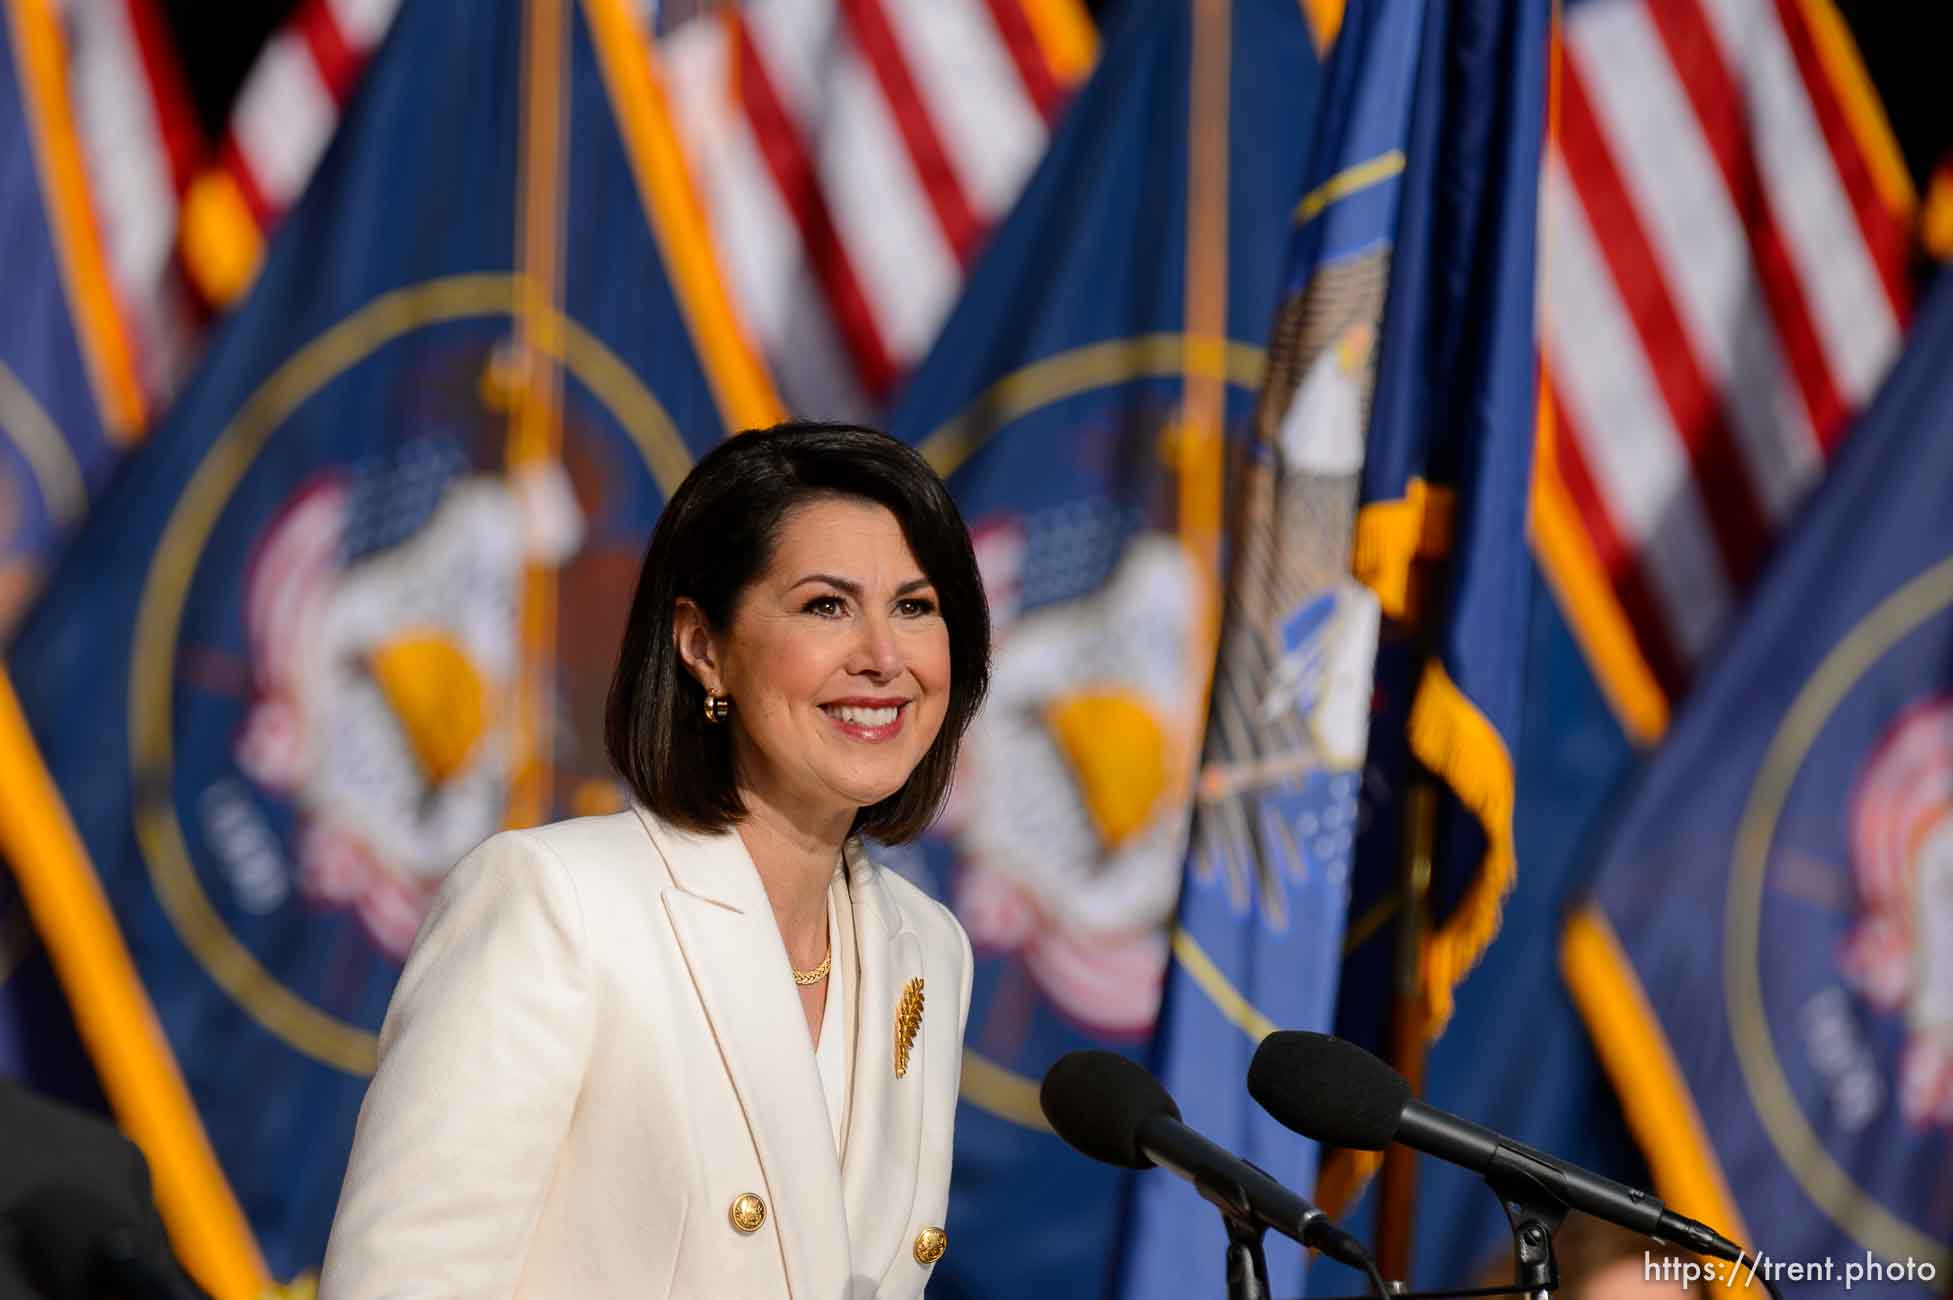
(876, 653)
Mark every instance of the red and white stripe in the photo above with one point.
(291, 103)
(296, 559)
(1724, 288)
(853, 154)
(140, 147)
(143, 148)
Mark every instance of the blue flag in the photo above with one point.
(1764, 961)
(1259, 937)
(1516, 1055)
(1447, 477)
(1441, 530)
(69, 407)
(352, 608)
(69, 400)
(1441, 536)
(1086, 399)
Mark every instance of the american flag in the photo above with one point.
(183, 218)
(852, 155)
(283, 119)
(140, 149)
(1725, 284)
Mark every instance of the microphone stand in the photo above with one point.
(1247, 1263)
(1535, 1214)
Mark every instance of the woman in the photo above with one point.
(705, 1047)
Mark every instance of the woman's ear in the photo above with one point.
(698, 648)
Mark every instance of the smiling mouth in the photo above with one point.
(866, 722)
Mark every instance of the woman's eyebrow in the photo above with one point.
(853, 588)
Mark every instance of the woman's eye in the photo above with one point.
(825, 606)
(916, 606)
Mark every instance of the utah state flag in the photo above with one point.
(1767, 961)
(352, 609)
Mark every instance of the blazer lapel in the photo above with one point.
(731, 943)
(885, 1116)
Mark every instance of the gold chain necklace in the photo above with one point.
(816, 975)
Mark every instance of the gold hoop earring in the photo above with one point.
(717, 707)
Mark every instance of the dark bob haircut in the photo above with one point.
(713, 540)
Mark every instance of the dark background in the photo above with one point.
(1903, 45)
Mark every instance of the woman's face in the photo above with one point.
(836, 661)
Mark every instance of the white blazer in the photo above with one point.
(595, 1050)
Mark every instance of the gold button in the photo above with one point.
(930, 1244)
(748, 1212)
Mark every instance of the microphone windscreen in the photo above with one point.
(1097, 1102)
(1328, 1089)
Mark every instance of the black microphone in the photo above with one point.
(1113, 1110)
(77, 1242)
(1337, 1093)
